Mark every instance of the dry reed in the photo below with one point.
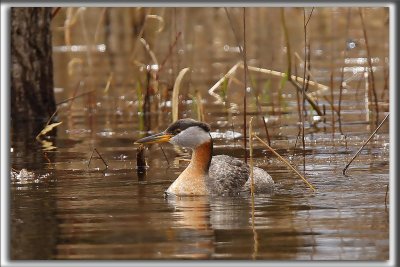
(365, 143)
(100, 157)
(175, 94)
(286, 162)
(371, 71)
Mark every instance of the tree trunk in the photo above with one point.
(32, 95)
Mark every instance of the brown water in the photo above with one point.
(75, 211)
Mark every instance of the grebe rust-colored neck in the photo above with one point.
(201, 158)
(192, 181)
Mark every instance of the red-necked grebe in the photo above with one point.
(207, 175)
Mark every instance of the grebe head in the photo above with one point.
(185, 133)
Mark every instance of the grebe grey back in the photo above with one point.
(205, 174)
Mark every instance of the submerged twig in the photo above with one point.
(286, 162)
(91, 156)
(365, 143)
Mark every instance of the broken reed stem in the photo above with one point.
(365, 143)
(251, 157)
(369, 63)
(91, 156)
(310, 77)
(286, 162)
(220, 81)
(294, 78)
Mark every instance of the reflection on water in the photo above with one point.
(89, 214)
(76, 211)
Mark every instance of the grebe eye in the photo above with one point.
(177, 131)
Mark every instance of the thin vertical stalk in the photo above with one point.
(245, 85)
(342, 73)
(365, 143)
(255, 236)
(369, 63)
(332, 107)
(303, 87)
(251, 157)
(246, 70)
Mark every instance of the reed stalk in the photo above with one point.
(289, 67)
(245, 85)
(309, 97)
(342, 73)
(286, 163)
(100, 157)
(251, 157)
(99, 22)
(365, 143)
(54, 12)
(175, 93)
(255, 236)
(371, 71)
(246, 70)
(386, 194)
(332, 106)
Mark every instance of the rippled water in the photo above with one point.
(73, 210)
(77, 212)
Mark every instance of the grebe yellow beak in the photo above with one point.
(155, 138)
